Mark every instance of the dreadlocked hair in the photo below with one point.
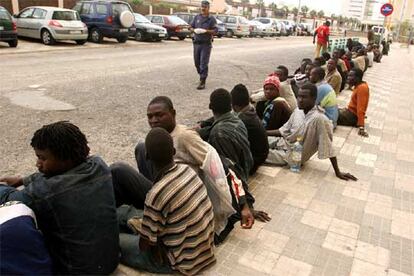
(64, 140)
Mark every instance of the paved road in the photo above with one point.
(110, 87)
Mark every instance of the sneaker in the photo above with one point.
(202, 85)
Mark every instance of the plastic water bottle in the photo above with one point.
(296, 157)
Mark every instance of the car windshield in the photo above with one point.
(219, 21)
(4, 15)
(264, 20)
(118, 8)
(176, 20)
(66, 15)
(140, 18)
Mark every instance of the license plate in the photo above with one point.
(161, 35)
(1, 28)
(123, 30)
(75, 32)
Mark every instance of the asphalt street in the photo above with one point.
(108, 88)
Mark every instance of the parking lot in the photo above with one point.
(105, 88)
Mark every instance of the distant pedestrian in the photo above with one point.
(322, 34)
(204, 27)
(370, 35)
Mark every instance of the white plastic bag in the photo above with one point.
(215, 180)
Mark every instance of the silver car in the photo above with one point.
(51, 24)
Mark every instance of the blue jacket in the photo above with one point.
(77, 215)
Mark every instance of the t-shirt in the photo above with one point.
(359, 102)
(178, 215)
(204, 22)
(323, 34)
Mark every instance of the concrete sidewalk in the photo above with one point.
(324, 226)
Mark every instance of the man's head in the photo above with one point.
(307, 96)
(159, 147)
(308, 69)
(239, 97)
(317, 75)
(336, 54)
(271, 87)
(161, 113)
(319, 61)
(326, 56)
(327, 23)
(220, 101)
(205, 7)
(303, 64)
(331, 66)
(59, 147)
(355, 76)
(282, 72)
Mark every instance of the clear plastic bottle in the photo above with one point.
(296, 157)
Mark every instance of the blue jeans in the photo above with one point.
(131, 255)
(202, 58)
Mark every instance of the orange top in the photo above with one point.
(359, 102)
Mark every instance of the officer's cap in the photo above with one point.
(205, 3)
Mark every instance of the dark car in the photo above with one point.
(145, 30)
(110, 18)
(175, 26)
(8, 30)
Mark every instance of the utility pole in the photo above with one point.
(401, 19)
(298, 17)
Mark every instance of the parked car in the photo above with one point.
(145, 30)
(255, 28)
(290, 25)
(306, 29)
(51, 24)
(109, 18)
(175, 26)
(282, 31)
(221, 28)
(186, 16)
(8, 30)
(236, 25)
(270, 25)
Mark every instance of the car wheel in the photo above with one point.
(219, 36)
(181, 37)
(229, 33)
(139, 36)
(122, 39)
(13, 43)
(81, 42)
(95, 36)
(239, 36)
(47, 38)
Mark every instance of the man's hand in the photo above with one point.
(247, 219)
(346, 176)
(261, 216)
(362, 132)
(14, 181)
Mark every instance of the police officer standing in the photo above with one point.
(204, 27)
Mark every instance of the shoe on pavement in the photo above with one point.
(202, 85)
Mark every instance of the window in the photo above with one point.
(141, 19)
(157, 19)
(118, 8)
(101, 9)
(4, 15)
(65, 15)
(77, 7)
(39, 14)
(174, 20)
(264, 20)
(232, 20)
(26, 13)
(86, 8)
(222, 18)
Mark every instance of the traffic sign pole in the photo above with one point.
(386, 10)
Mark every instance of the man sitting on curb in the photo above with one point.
(177, 230)
(308, 122)
(255, 130)
(72, 197)
(354, 115)
(274, 111)
(333, 77)
(326, 94)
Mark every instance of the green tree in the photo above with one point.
(260, 6)
(273, 7)
(321, 14)
(295, 11)
(313, 13)
(286, 11)
(304, 10)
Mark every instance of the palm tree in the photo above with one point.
(260, 5)
(304, 10)
(321, 14)
(286, 11)
(273, 7)
(295, 11)
(313, 13)
(244, 4)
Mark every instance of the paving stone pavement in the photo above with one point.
(324, 226)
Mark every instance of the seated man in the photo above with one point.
(377, 53)
(370, 55)
(354, 115)
(275, 111)
(333, 78)
(353, 45)
(326, 94)
(285, 90)
(177, 230)
(73, 199)
(341, 65)
(22, 247)
(359, 61)
(309, 123)
(256, 133)
(300, 76)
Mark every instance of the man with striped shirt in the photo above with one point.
(177, 229)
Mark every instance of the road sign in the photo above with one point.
(387, 9)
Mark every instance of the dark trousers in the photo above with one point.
(202, 58)
(347, 118)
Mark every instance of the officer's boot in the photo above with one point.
(202, 84)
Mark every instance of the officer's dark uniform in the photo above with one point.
(202, 45)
